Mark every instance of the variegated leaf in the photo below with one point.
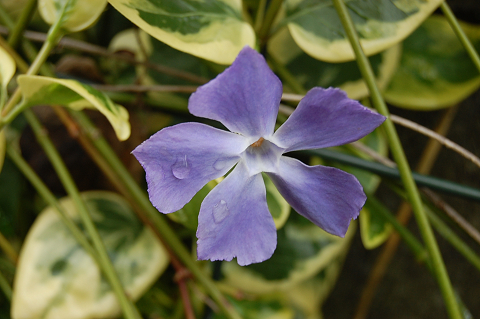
(317, 29)
(56, 278)
(303, 250)
(210, 29)
(310, 72)
(45, 90)
(7, 70)
(79, 14)
(435, 70)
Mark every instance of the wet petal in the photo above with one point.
(179, 160)
(326, 196)
(234, 220)
(324, 118)
(245, 97)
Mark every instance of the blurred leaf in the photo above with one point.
(435, 70)
(7, 70)
(310, 72)
(277, 205)
(188, 215)
(374, 228)
(56, 278)
(210, 29)
(303, 250)
(380, 24)
(3, 145)
(266, 307)
(44, 90)
(79, 15)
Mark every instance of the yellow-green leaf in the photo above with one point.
(277, 205)
(435, 70)
(7, 70)
(56, 278)
(79, 14)
(316, 28)
(374, 230)
(210, 29)
(45, 90)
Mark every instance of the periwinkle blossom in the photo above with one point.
(234, 220)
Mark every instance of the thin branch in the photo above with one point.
(101, 51)
(136, 88)
(453, 214)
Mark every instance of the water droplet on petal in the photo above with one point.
(181, 169)
(219, 164)
(220, 211)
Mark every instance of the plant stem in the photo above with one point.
(23, 19)
(8, 249)
(400, 158)
(460, 34)
(5, 287)
(54, 35)
(264, 31)
(158, 220)
(128, 308)
(50, 199)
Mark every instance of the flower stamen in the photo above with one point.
(258, 143)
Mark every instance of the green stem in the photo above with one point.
(158, 220)
(400, 158)
(5, 287)
(25, 16)
(54, 35)
(460, 34)
(260, 15)
(8, 249)
(270, 15)
(128, 308)
(50, 199)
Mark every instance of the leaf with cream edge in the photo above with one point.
(211, 29)
(56, 278)
(45, 90)
(435, 70)
(315, 26)
(310, 72)
(7, 70)
(79, 15)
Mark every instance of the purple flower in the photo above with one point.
(234, 220)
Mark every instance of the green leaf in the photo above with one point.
(210, 29)
(266, 307)
(374, 228)
(435, 70)
(310, 72)
(7, 70)
(56, 278)
(79, 14)
(316, 28)
(303, 250)
(277, 205)
(45, 90)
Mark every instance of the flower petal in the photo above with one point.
(234, 220)
(327, 196)
(245, 97)
(324, 118)
(179, 160)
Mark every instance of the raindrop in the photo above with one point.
(219, 164)
(181, 169)
(220, 211)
